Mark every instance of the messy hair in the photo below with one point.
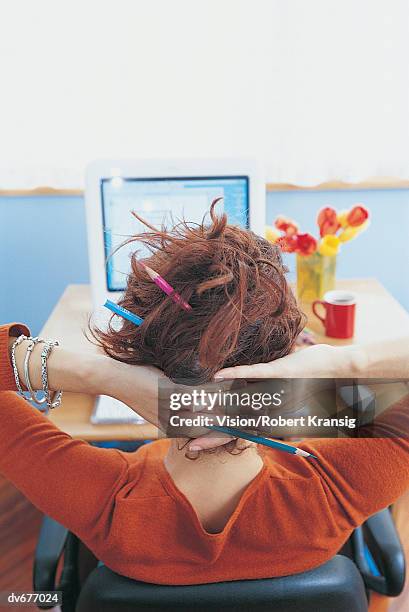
(243, 310)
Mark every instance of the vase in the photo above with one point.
(315, 276)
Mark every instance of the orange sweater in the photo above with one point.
(294, 515)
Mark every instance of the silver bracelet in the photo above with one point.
(33, 394)
(15, 344)
(53, 401)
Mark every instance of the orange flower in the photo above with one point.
(289, 227)
(288, 244)
(327, 221)
(306, 244)
(357, 215)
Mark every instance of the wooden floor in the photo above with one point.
(20, 524)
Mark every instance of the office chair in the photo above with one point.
(342, 584)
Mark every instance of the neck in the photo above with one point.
(220, 466)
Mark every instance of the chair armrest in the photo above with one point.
(48, 551)
(379, 534)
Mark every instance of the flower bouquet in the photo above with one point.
(316, 259)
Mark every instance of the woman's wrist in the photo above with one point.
(79, 372)
(351, 361)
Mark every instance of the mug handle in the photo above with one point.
(314, 310)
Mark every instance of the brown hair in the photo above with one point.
(243, 311)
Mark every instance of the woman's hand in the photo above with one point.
(136, 386)
(148, 391)
(317, 361)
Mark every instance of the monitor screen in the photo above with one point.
(162, 200)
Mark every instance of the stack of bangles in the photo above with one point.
(49, 400)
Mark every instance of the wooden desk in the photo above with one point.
(379, 316)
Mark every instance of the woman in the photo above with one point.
(156, 515)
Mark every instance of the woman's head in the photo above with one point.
(243, 310)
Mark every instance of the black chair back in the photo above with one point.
(336, 586)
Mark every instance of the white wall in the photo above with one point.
(318, 88)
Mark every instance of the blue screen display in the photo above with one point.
(162, 201)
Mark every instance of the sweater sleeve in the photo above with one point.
(67, 479)
(7, 381)
(364, 475)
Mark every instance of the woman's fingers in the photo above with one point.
(210, 440)
(318, 361)
(259, 370)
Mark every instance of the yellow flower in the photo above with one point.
(342, 218)
(329, 245)
(351, 232)
(271, 234)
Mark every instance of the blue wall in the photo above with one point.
(43, 245)
(43, 248)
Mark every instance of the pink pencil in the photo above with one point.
(168, 289)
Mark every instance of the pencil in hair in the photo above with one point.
(166, 288)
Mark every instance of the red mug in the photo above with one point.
(339, 320)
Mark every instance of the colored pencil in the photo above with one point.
(166, 288)
(123, 312)
(286, 448)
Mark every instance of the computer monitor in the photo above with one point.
(162, 193)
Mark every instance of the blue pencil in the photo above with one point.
(286, 448)
(123, 312)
